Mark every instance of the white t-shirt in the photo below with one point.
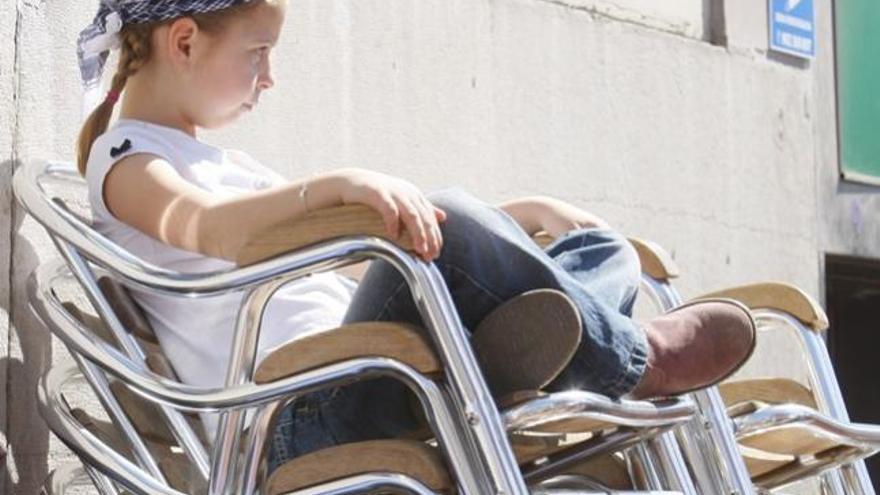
(196, 334)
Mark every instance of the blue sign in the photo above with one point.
(793, 27)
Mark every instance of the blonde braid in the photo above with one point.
(134, 54)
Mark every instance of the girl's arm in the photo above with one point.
(147, 193)
(551, 215)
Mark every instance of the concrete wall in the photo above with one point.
(709, 150)
(7, 117)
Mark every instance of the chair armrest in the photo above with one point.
(317, 226)
(655, 260)
(397, 341)
(779, 296)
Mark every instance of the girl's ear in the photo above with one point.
(182, 35)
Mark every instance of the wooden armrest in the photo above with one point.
(398, 341)
(655, 260)
(779, 296)
(317, 226)
(768, 390)
(410, 458)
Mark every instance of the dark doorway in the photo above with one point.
(852, 293)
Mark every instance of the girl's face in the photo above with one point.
(232, 68)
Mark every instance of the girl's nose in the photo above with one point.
(266, 80)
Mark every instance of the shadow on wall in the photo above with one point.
(26, 464)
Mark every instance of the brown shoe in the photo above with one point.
(695, 346)
(527, 341)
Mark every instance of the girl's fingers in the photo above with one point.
(409, 213)
(390, 216)
(431, 231)
(440, 214)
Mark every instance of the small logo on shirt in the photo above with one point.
(125, 146)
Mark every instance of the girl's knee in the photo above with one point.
(624, 252)
(464, 211)
(454, 199)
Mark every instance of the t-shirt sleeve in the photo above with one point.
(112, 147)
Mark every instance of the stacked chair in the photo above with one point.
(147, 438)
(788, 430)
(746, 436)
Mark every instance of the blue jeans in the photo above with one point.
(486, 260)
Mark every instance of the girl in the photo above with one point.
(179, 203)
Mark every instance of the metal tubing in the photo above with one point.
(178, 425)
(470, 394)
(861, 436)
(829, 398)
(240, 371)
(70, 476)
(575, 403)
(255, 462)
(720, 430)
(701, 454)
(560, 462)
(479, 418)
(438, 414)
(133, 478)
(197, 399)
(102, 389)
(671, 463)
(373, 483)
(652, 477)
(91, 450)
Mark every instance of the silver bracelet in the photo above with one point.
(302, 195)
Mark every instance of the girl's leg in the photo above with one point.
(602, 260)
(488, 259)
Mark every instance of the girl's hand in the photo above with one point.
(551, 215)
(399, 202)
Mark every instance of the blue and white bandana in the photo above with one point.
(102, 36)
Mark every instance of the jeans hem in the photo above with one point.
(633, 371)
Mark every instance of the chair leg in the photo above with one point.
(671, 464)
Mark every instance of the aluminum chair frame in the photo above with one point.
(470, 416)
(712, 433)
(645, 416)
(485, 448)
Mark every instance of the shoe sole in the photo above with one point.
(527, 341)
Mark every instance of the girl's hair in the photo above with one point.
(135, 53)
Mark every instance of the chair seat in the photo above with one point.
(766, 390)
(759, 462)
(768, 449)
(794, 439)
(411, 458)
